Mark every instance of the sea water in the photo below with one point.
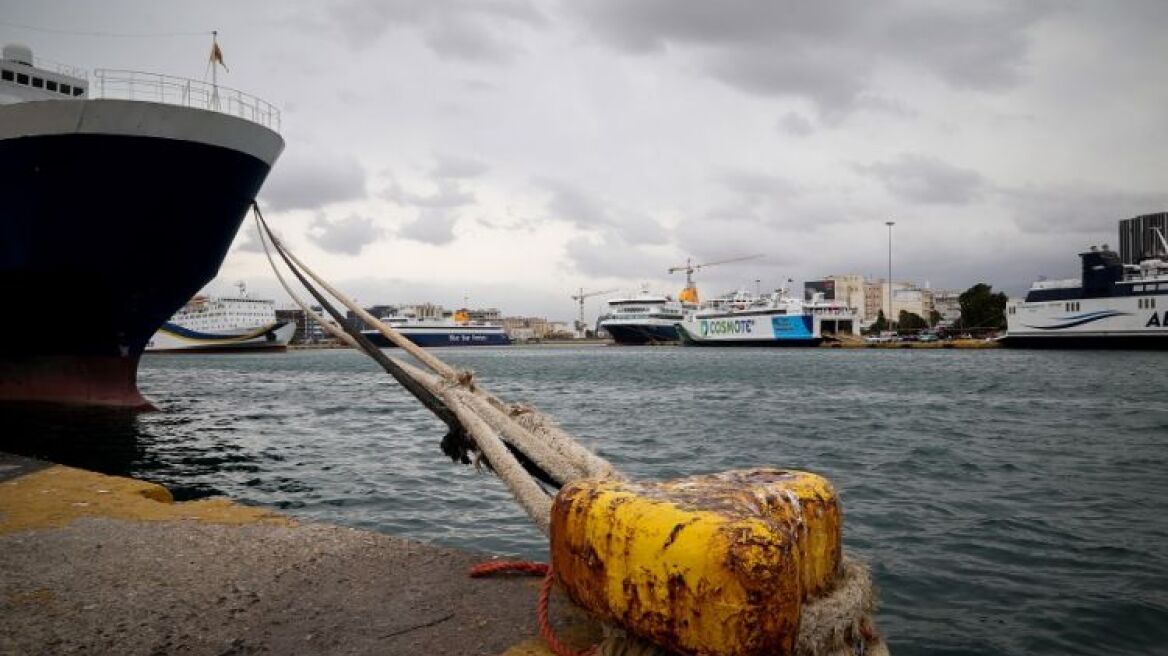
(1007, 501)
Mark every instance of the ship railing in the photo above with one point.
(172, 90)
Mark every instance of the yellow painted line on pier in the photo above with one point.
(58, 495)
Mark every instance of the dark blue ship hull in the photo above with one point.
(441, 338)
(102, 238)
(642, 334)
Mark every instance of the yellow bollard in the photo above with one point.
(716, 564)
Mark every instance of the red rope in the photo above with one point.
(541, 609)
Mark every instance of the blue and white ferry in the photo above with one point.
(776, 319)
(458, 330)
(1111, 305)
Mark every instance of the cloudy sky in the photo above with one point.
(513, 151)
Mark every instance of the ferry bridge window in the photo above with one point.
(77, 91)
(21, 78)
(39, 83)
(7, 75)
(65, 88)
(50, 85)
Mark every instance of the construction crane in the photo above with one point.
(580, 325)
(690, 293)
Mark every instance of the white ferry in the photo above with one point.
(643, 318)
(229, 323)
(775, 319)
(1112, 305)
(458, 330)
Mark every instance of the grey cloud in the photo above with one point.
(457, 29)
(449, 194)
(432, 227)
(891, 106)
(1082, 208)
(926, 179)
(312, 178)
(824, 51)
(796, 124)
(348, 236)
(450, 166)
(760, 186)
(570, 204)
(612, 257)
(250, 243)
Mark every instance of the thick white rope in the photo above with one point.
(438, 366)
(531, 497)
(328, 325)
(537, 436)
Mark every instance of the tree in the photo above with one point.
(910, 322)
(880, 324)
(935, 318)
(981, 308)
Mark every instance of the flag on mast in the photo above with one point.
(217, 54)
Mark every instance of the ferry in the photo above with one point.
(458, 330)
(643, 318)
(227, 323)
(776, 319)
(122, 192)
(1111, 305)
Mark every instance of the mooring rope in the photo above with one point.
(523, 447)
(515, 449)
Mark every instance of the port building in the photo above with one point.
(1137, 241)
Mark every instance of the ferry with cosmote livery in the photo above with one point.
(776, 319)
(222, 324)
(121, 192)
(1111, 305)
(458, 330)
(643, 318)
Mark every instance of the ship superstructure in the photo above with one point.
(1111, 305)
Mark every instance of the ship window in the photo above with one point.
(21, 78)
(50, 85)
(38, 82)
(77, 91)
(7, 75)
(66, 89)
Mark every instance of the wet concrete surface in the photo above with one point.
(154, 584)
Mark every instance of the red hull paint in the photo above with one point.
(73, 379)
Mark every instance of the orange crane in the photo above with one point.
(580, 325)
(690, 293)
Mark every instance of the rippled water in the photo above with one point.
(1009, 501)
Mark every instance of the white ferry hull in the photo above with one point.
(172, 338)
(1109, 322)
(752, 330)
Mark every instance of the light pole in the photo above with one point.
(890, 224)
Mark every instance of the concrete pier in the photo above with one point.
(102, 564)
